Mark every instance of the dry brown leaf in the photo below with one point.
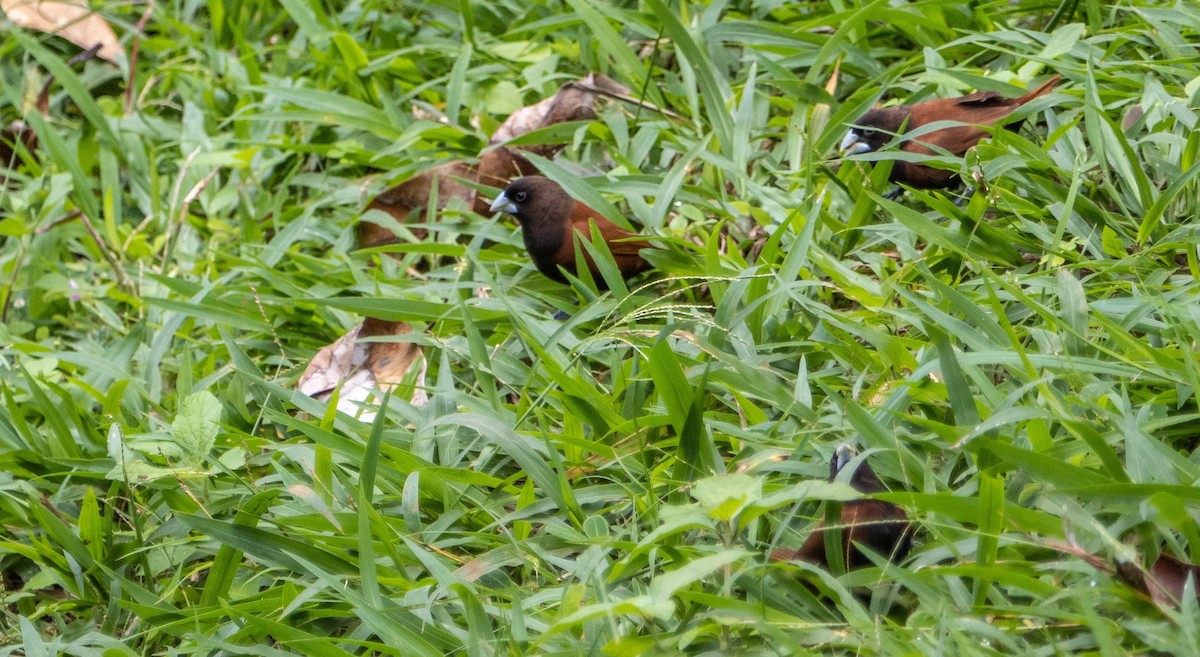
(821, 111)
(69, 19)
(364, 369)
(575, 101)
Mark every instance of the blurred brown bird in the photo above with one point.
(880, 526)
(409, 201)
(551, 219)
(876, 128)
(1164, 583)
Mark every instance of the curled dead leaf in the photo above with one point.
(364, 370)
(69, 19)
(575, 101)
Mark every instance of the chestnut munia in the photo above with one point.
(551, 219)
(877, 127)
(880, 526)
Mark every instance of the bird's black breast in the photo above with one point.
(544, 240)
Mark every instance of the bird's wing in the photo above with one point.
(621, 243)
(984, 99)
(582, 217)
(956, 139)
(624, 250)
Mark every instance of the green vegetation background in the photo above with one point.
(1024, 367)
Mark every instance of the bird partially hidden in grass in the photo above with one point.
(881, 527)
(875, 129)
(551, 221)
(1164, 582)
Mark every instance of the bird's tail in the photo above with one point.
(1043, 89)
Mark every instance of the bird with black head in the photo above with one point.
(552, 220)
(879, 526)
(879, 126)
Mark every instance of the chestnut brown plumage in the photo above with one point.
(876, 128)
(880, 526)
(551, 220)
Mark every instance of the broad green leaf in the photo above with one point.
(196, 425)
(724, 496)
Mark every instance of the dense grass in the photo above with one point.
(1023, 368)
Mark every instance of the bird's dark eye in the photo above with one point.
(519, 197)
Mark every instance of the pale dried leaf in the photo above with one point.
(832, 84)
(364, 370)
(70, 19)
(332, 364)
(1132, 116)
(821, 111)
